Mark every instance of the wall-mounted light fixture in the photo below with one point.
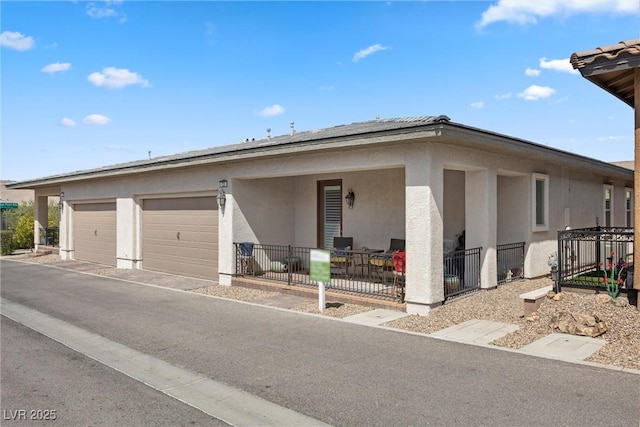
(350, 198)
(61, 203)
(222, 197)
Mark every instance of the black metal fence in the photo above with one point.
(50, 236)
(373, 274)
(461, 272)
(586, 255)
(510, 259)
(353, 272)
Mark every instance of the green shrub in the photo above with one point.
(6, 242)
(23, 235)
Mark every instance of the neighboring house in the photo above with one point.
(616, 69)
(422, 179)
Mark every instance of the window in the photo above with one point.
(608, 205)
(540, 202)
(329, 212)
(628, 192)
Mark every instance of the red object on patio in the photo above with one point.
(399, 261)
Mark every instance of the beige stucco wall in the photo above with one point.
(422, 192)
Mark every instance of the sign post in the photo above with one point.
(320, 271)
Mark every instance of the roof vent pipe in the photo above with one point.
(268, 133)
(293, 129)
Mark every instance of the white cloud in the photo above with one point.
(106, 10)
(67, 122)
(361, 54)
(531, 72)
(117, 78)
(534, 93)
(16, 41)
(96, 119)
(56, 67)
(561, 65)
(503, 96)
(273, 110)
(524, 12)
(477, 105)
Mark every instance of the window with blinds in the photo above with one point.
(332, 213)
(329, 212)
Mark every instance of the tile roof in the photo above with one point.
(611, 67)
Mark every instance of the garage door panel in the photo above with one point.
(95, 232)
(180, 236)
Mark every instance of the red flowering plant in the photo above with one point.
(614, 275)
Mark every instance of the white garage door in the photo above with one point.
(94, 232)
(180, 236)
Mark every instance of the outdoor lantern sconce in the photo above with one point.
(350, 198)
(61, 203)
(222, 197)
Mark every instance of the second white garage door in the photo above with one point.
(180, 236)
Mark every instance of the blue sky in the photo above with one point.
(89, 84)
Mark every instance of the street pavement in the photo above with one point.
(332, 371)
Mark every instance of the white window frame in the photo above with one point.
(605, 188)
(628, 196)
(535, 226)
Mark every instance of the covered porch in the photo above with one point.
(459, 229)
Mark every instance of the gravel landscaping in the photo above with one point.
(503, 304)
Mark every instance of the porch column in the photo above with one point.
(226, 252)
(40, 215)
(127, 233)
(481, 223)
(424, 234)
(65, 217)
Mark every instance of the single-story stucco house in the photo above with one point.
(423, 180)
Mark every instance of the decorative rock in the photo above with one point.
(620, 302)
(603, 299)
(578, 323)
(533, 318)
(558, 297)
(551, 294)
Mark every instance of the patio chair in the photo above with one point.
(383, 264)
(247, 260)
(341, 258)
(399, 268)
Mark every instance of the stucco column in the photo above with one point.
(636, 179)
(226, 250)
(65, 215)
(481, 223)
(40, 215)
(127, 233)
(424, 234)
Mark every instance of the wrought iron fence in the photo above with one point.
(353, 272)
(50, 236)
(461, 272)
(510, 259)
(360, 272)
(586, 254)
